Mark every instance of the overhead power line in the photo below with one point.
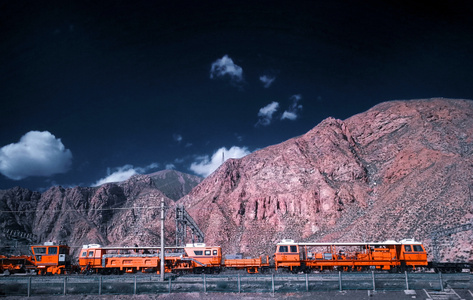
(78, 210)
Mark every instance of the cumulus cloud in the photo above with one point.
(38, 153)
(124, 173)
(265, 114)
(226, 67)
(205, 165)
(292, 112)
(267, 80)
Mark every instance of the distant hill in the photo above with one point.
(114, 213)
(173, 184)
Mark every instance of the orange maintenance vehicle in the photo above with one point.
(389, 255)
(195, 258)
(51, 259)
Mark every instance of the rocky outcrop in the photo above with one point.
(403, 169)
(125, 213)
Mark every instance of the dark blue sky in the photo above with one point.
(90, 89)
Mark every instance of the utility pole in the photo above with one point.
(162, 240)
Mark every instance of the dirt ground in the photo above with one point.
(344, 295)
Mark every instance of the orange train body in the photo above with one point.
(193, 257)
(389, 255)
(51, 259)
(199, 258)
(46, 259)
(16, 264)
(252, 265)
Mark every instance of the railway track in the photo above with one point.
(433, 285)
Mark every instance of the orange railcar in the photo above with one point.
(252, 265)
(51, 259)
(107, 260)
(203, 258)
(16, 264)
(389, 255)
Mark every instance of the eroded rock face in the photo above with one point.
(403, 169)
(125, 213)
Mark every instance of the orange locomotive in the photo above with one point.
(389, 255)
(51, 259)
(46, 259)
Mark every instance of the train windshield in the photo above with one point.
(40, 250)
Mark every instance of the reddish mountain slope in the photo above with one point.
(403, 169)
(125, 213)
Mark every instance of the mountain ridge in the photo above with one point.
(331, 183)
(402, 169)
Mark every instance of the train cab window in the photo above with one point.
(63, 250)
(91, 253)
(198, 252)
(40, 250)
(283, 249)
(215, 252)
(207, 252)
(418, 248)
(294, 249)
(407, 248)
(52, 250)
(84, 254)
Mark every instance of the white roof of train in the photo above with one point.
(402, 242)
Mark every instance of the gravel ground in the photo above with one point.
(345, 295)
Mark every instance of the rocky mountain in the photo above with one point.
(124, 213)
(403, 169)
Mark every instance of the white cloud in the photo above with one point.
(38, 153)
(226, 67)
(265, 114)
(288, 115)
(124, 173)
(267, 80)
(205, 165)
(170, 167)
(292, 112)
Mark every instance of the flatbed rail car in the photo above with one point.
(389, 255)
(195, 258)
(16, 264)
(252, 265)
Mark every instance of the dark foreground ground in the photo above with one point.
(344, 295)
